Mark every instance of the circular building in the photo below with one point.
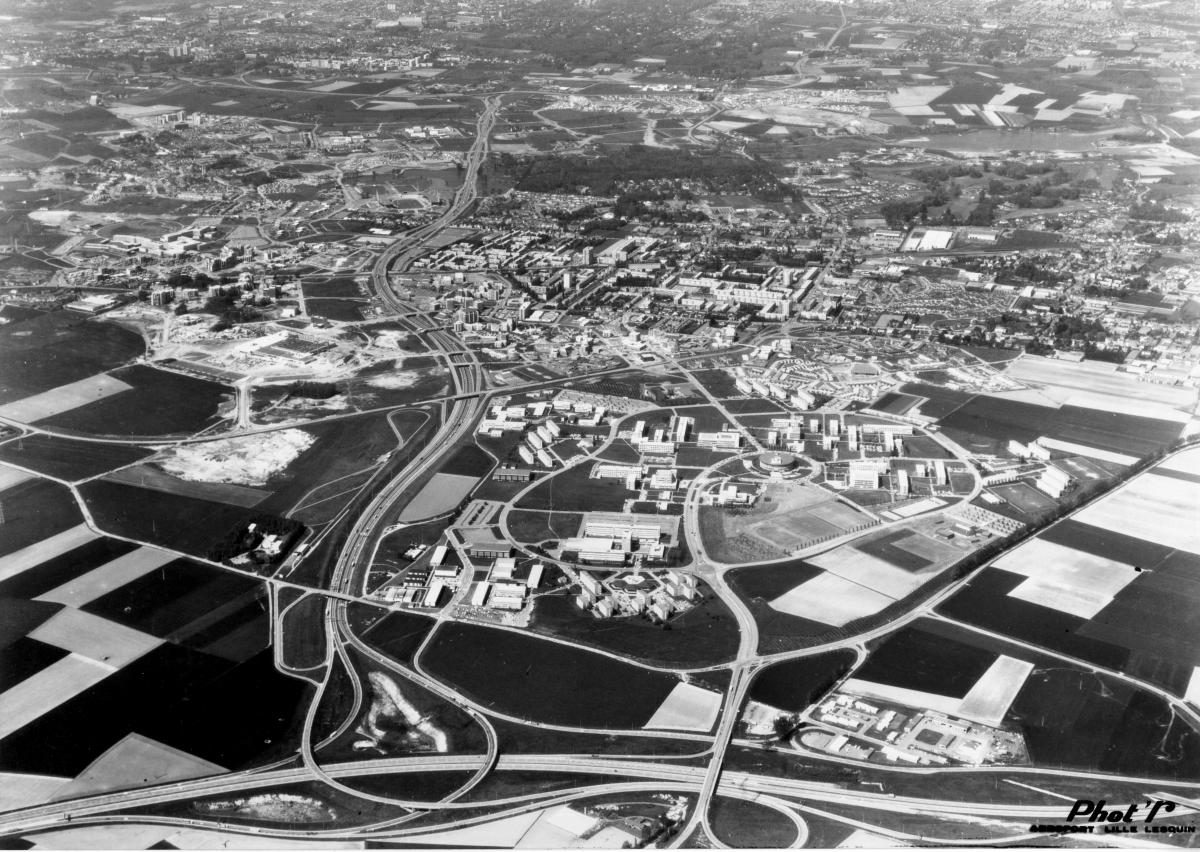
(778, 462)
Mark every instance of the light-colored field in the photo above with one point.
(388, 106)
(135, 836)
(111, 575)
(501, 834)
(1099, 385)
(863, 839)
(1155, 508)
(62, 398)
(920, 507)
(1086, 451)
(1065, 579)
(40, 693)
(105, 642)
(137, 761)
(440, 494)
(909, 697)
(10, 476)
(687, 708)
(23, 791)
(1185, 462)
(35, 554)
(829, 599)
(225, 103)
(336, 85)
(1193, 688)
(989, 699)
(839, 514)
(879, 575)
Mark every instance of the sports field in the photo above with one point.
(63, 398)
(1065, 579)
(687, 708)
(830, 599)
(440, 494)
(1024, 497)
(109, 576)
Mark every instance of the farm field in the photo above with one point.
(794, 684)
(180, 522)
(986, 424)
(778, 630)
(687, 708)
(612, 694)
(35, 510)
(66, 459)
(101, 623)
(1069, 716)
(704, 635)
(399, 634)
(160, 403)
(42, 350)
(1116, 584)
(64, 398)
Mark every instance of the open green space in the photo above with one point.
(302, 630)
(531, 678)
(745, 825)
(533, 526)
(573, 490)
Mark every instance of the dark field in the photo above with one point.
(704, 635)
(990, 422)
(333, 286)
(896, 403)
(44, 350)
(169, 520)
(718, 382)
(531, 526)
(161, 403)
(398, 634)
(469, 461)
(67, 459)
(544, 681)
(343, 310)
(745, 825)
(34, 510)
(24, 658)
(516, 738)
(794, 684)
(227, 713)
(927, 659)
(753, 406)
(573, 491)
(303, 632)
(884, 547)
(18, 617)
